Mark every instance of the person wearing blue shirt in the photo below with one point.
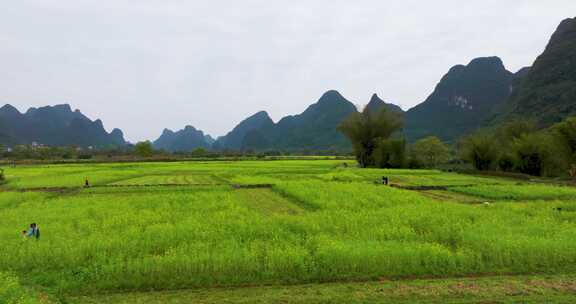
(34, 231)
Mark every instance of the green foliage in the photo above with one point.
(144, 149)
(390, 153)
(519, 146)
(534, 153)
(365, 129)
(199, 152)
(519, 192)
(565, 134)
(11, 292)
(507, 162)
(515, 129)
(318, 222)
(481, 149)
(429, 152)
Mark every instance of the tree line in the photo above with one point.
(516, 146)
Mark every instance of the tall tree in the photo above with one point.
(366, 128)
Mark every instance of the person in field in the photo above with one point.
(34, 231)
(24, 235)
(86, 183)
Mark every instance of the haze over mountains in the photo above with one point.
(467, 97)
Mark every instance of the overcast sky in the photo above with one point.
(145, 65)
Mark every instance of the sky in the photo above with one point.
(146, 65)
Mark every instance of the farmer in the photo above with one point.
(34, 231)
(86, 183)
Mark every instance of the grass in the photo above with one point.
(267, 202)
(196, 179)
(12, 292)
(519, 192)
(319, 222)
(522, 289)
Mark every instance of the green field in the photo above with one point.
(225, 229)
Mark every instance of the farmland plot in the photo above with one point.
(297, 222)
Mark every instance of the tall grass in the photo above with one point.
(12, 292)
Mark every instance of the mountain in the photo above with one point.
(376, 103)
(233, 140)
(209, 140)
(183, 140)
(313, 129)
(463, 99)
(56, 126)
(547, 91)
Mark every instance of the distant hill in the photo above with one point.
(184, 140)
(376, 104)
(56, 126)
(465, 97)
(234, 139)
(313, 129)
(547, 91)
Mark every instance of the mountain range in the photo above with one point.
(56, 126)
(183, 140)
(478, 94)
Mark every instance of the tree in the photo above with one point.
(481, 149)
(364, 129)
(430, 152)
(199, 152)
(144, 149)
(565, 135)
(390, 153)
(534, 154)
(514, 129)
